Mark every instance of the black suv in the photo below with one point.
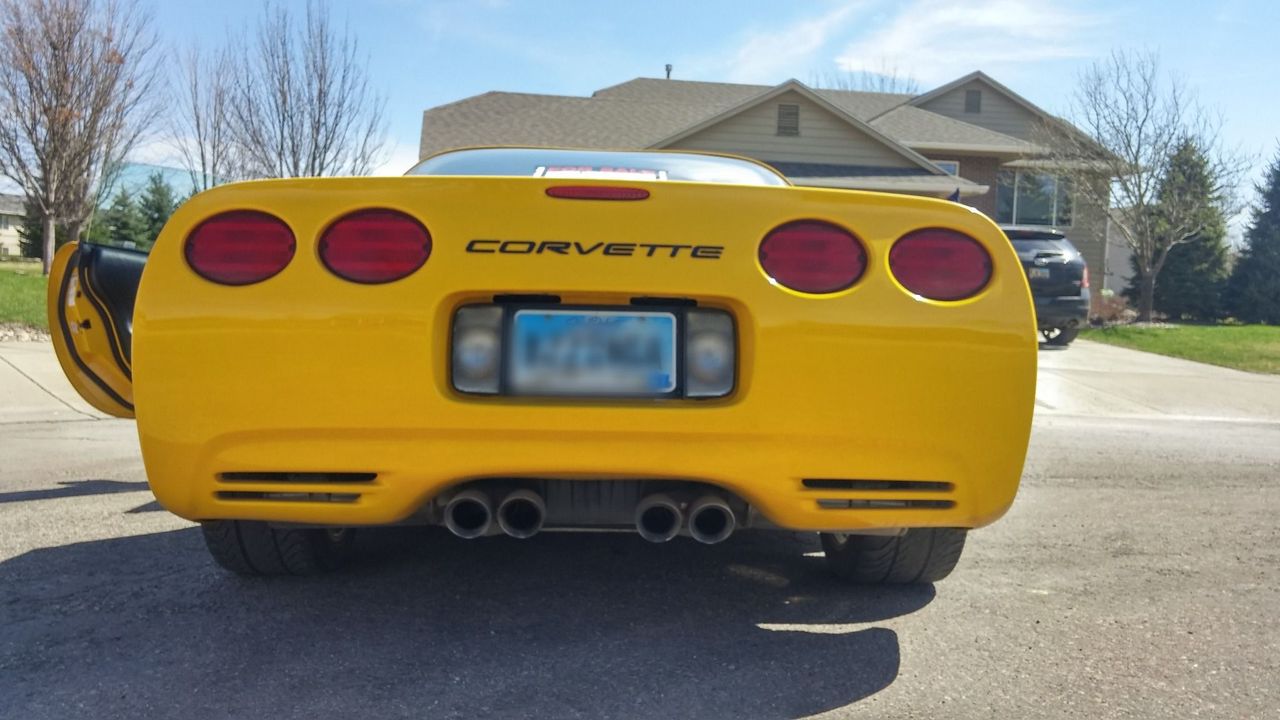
(1059, 281)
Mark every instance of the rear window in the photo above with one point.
(1042, 245)
(608, 165)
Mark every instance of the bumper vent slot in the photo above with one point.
(881, 488)
(877, 485)
(831, 504)
(298, 477)
(341, 498)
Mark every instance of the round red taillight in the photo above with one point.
(240, 247)
(812, 256)
(940, 264)
(375, 246)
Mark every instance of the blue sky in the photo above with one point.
(428, 52)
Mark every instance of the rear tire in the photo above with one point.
(920, 555)
(250, 547)
(1060, 337)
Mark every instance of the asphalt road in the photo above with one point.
(1138, 575)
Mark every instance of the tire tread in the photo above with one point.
(920, 555)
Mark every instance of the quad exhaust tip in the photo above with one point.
(521, 514)
(658, 518)
(468, 514)
(711, 520)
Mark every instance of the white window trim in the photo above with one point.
(1017, 176)
(953, 162)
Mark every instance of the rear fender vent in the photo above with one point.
(329, 478)
(239, 495)
(881, 488)
(831, 504)
(878, 485)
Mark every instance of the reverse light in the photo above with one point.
(812, 256)
(477, 349)
(375, 246)
(710, 357)
(940, 264)
(1084, 281)
(240, 247)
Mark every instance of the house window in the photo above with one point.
(4, 222)
(1029, 198)
(950, 167)
(789, 120)
(973, 101)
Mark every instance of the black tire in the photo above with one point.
(1062, 337)
(920, 555)
(249, 547)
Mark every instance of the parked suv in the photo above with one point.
(1059, 281)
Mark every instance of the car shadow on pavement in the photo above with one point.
(426, 625)
(74, 488)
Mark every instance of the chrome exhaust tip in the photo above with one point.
(711, 520)
(658, 518)
(521, 513)
(468, 514)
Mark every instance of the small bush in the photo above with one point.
(1112, 309)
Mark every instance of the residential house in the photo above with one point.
(12, 210)
(973, 138)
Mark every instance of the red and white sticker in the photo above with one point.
(600, 173)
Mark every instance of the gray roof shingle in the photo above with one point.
(644, 111)
(910, 125)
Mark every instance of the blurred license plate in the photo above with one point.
(585, 352)
(1036, 273)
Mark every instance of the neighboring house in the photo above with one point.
(973, 137)
(12, 210)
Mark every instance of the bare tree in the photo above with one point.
(200, 126)
(301, 103)
(888, 79)
(76, 81)
(1131, 122)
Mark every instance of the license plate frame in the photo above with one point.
(1039, 273)
(513, 384)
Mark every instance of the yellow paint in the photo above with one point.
(306, 372)
(72, 316)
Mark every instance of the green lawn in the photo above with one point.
(22, 294)
(1245, 347)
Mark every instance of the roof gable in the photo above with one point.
(863, 131)
(1005, 112)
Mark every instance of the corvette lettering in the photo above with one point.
(561, 247)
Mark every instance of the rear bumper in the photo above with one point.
(407, 469)
(1062, 312)
(814, 400)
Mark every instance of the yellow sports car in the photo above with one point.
(510, 340)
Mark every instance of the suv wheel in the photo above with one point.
(919, 555)
(250, 547)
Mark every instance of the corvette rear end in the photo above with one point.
(591, 348)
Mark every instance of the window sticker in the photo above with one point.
(605, 172)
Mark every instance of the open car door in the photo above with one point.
(92, 289)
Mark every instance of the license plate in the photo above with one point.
(1036, 273)
(586, 352)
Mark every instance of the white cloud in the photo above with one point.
(939, 40)
(772, 54)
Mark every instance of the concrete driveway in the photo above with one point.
(1136, 576)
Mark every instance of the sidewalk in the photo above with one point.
(33, 388)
